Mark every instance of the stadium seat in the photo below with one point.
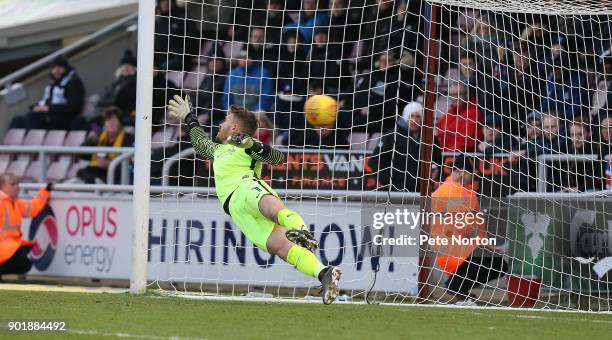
(18, 167)
(5, 159)
(58, 170)
(75, 138)
(14, 137)
(34, 137)
(358, 141)
(74, 168)
(163, 137)
(55, 138)
(32, 172)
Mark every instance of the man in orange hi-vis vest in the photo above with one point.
(464, 268)
(13, 249)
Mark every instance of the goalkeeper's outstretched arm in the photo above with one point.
(180, 109)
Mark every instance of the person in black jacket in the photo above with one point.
(396, 158)
(61, 104)
(583, 175)
(210, 96)
(122, 92)
(177, 38)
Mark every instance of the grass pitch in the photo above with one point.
(104, 316)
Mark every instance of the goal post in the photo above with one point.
(142, 147)
(513, 94)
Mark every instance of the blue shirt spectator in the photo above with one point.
(309, 18)
(250, 85)
(566, 90)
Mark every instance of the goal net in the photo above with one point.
(445, 109)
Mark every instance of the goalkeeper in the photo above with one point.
(251, 203)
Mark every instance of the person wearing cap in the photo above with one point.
(122, 91)
(495, 140)
(62, 101)
(396, 157)
(465, 266)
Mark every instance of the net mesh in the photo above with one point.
(443, 106)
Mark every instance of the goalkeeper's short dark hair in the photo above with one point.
(247, 119)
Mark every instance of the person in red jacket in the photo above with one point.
(460, 128)
(13, 249)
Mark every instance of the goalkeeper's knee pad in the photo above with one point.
(290, 219)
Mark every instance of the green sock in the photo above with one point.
(290, 219)
(304, 261)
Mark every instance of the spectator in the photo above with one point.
(602, 96)
(375, 31)
(459, 129)
(310, 16)
(566, 89)
(210, 96)
(122, 92)
(13, 249)
(483, 41)
(551, 141)
(533, 130)
(322, 64)
(494, 140)
(397, 156)
(276, 18)
(520, 90)
(583, 175)
(61, 104)
(113, 135)
(176, 36)
(605, 148)
(466, 266)
(163, 89)
(343, 29)
(264, 132)
(292, 65)
(375, 98)
(250, 85)
(324, 137)
(466, 74)
(289, 115)
(232, 46)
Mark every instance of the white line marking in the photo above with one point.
(129, 335)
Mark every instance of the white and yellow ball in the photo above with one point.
(321, 110)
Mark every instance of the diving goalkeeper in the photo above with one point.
(251, 203)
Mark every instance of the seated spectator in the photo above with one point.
(289, 117)
(250, 85)
(210, 94)
(310, 16)
(494, 140)
(375, 96)
(602, 96)
(113, 135)
(122, 92)
(605, 149)
(375, 31)
(163, 89)
(323, 66)
(551, 141)
(13, 248)
(566, 89)
(323, 137)
(177, 38)
(276, 18)
(466, 73)
(583, 175)
(292, 66)
(61, 104)
(343, 29)
(459, 129)
(396, 158)
(533, 130)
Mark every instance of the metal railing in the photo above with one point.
(44, 151)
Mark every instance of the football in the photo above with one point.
(321, 110)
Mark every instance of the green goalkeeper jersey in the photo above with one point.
(231, 164)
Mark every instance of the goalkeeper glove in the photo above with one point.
(181, 110)
(241, 140)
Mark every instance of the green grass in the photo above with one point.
(105, 315)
